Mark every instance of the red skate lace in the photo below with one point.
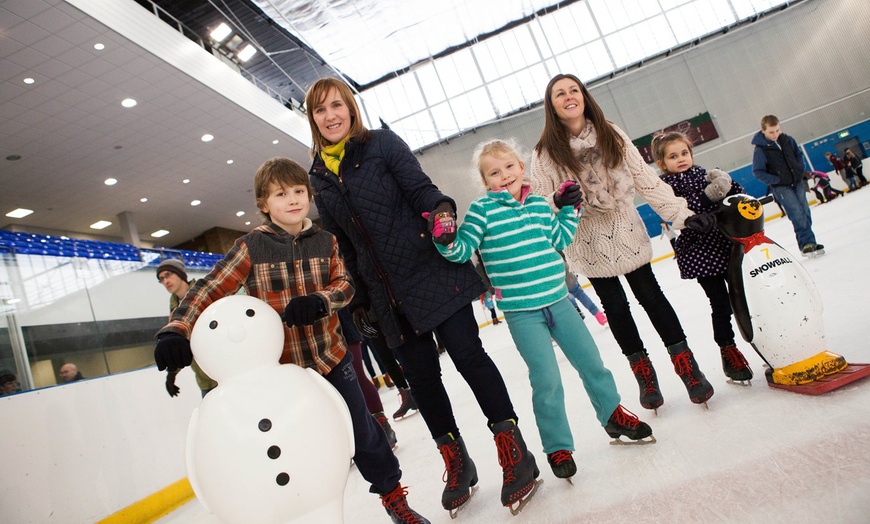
(643, 368)
(450, 453)
(558, 457)
(683, 367)
(396, 500)
(735, 358)
(624, 417)
(505, 444)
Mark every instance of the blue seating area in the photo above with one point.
(48, 245)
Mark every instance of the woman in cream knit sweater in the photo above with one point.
(579, 144)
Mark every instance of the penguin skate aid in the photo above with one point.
(778, 308)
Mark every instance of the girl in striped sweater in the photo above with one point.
(518, 237)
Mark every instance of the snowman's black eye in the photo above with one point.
(213, 324)
(250, 312)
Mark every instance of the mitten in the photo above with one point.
(172, 352)
(362, 322)
(568, 194)
(171, 388)
(719, 186)
(704, 222)
(442, 223)
(304, 310)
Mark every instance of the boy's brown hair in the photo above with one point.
(283, 172)
(768, 121)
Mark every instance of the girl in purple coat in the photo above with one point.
(703, 256)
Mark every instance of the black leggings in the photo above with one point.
(716, 289)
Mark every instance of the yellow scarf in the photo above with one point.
(333, 155)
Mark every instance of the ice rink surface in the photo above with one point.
(757, 455)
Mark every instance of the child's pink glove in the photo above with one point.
(568, 194)
(442, 224)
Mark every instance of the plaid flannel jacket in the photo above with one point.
(276, 266)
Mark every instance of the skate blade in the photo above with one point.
(525, 500)
(410, 413)
(640, 442)
(743, 383)
(455, 511)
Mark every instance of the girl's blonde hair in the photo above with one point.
(661, 140)
(494, 147)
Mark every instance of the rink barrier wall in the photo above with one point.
(154, 506)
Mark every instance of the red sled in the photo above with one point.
(852, 373)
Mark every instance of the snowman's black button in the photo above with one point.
(282, 479)
(274, 452)
(265, 425)
(250, 312)
(213, 324)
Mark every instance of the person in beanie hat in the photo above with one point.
(173, 275)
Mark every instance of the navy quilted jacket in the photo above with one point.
(374, 209)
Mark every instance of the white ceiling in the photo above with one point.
(72, 133)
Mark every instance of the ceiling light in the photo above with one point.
(207, 137)
(185, 181)
(159, 233)
(229, 161)
(19, 213)
(248, 223)
(247, 52)
(195, 202)
(129, 102)
(143, 200)
(29, 80)
(220, 32)
(12, 300)
(102, 224)
(99, 47)
(110, 182)
(240, 213)
(274, 141)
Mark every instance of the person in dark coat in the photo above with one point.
(703, 255)
(779, 163)
(371, 194)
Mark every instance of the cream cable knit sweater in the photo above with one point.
(611, 238)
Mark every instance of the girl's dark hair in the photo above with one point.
(661, 140)
(555, 140)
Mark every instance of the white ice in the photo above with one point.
(757, 455)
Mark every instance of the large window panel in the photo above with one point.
(506, 95)
(747, 8)
(417, 130)
(445, 123)
(430, 83)
(380, 97)
(592, 61)
(637, 42)
(670, 4)
(613, 15)
(526, 45)
(458, 73)
(472, 109)
(699, 18)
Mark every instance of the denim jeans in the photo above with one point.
(794, 201)
(576, 292)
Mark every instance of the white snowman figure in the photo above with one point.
(272, 443)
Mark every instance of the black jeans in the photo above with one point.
(716, 289)
(420, 360)
(372, 454)
(646, 290)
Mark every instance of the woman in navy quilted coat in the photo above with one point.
(703, 256)
(371, 193)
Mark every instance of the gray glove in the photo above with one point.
(719, 185)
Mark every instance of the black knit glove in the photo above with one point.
(172, 351)
(363, 324)
(442, 224)
(171, 388)
(304, 310)
(569, 194)
(704, 222)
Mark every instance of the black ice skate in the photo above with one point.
(624, 423)
(396, 504)
(698, 387)
(562, 464)
(388, 430)
(408, 406)
(735, 366)
(460, 474)
(650, 396)
(520, 473)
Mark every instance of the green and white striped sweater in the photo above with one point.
(518, 242)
